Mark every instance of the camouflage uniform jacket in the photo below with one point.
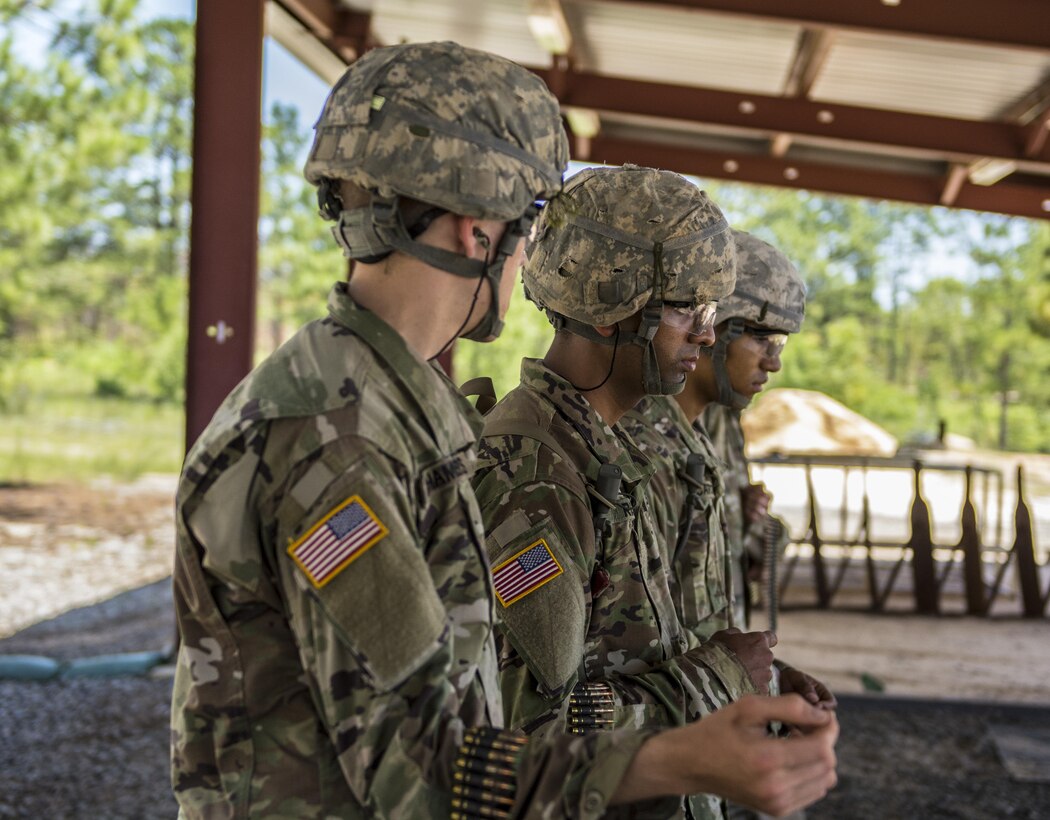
(722, 425)
(601, 613)
(699, 564)
(334, 600)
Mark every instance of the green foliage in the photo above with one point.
(298, 259)
(80, 438)
(915, 315)
(94, 199)
(909, 350)
(527, 333)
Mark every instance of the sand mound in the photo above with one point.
(805, 421)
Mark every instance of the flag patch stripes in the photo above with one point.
(336, 540)
(525, 572)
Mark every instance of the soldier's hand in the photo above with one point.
(797, 681)
(756, 502)
(775, 776)
(754, 650)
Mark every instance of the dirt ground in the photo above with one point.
(958, 693)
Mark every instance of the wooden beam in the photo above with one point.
(1035, 135)
(953, 184)
(1032, 113)
(811, 53)
(846, 123)
(1012, 23)
(779, 145)
(1023, 195)
(1026, 109)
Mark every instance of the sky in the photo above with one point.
(285, 79)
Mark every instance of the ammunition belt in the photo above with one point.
(591, 707)
(485, 774)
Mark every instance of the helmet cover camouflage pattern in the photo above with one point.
(769, 291)
(467, 131)
(594, 258)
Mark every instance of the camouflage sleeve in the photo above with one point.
(548, 624)
(371, 628)
(576, 776)
(393, 667)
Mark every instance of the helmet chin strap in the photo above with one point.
(726, 394)
(652, 313)
(375, 230)
(652, 383)
(652, 380)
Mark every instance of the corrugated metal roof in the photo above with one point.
(928, 77)
(681, 46)
(869, 86)
(498, 26)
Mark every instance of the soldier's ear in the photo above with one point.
(605, 330)
(467, 232)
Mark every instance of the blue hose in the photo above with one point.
(39, 667)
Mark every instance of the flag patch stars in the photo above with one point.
(525, 572)
(335, 541)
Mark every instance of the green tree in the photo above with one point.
(298, 259)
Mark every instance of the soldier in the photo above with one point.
(686, 496)
(753, 326)
(626, 263)
(331, 587)
(687, 491)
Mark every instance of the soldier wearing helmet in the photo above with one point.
(330, 586)
(768, 304)
(688, 489)
(627, 263)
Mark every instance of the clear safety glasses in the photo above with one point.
(773, 341)
(697, 319)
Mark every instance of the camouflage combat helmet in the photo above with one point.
(620, 240)
(464, 131)
(769, 294)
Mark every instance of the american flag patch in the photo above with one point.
(525, 572)
(336, 540)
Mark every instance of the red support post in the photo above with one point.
(225, 202)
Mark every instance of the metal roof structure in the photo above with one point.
(935, 102)
(925, 101)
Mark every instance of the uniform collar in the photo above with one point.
(608, 443)
(425, 381)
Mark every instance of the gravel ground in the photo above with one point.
(89, 747)
(98, 747)
(71, 545)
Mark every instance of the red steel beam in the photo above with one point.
(1016, 23)
(225, 204)
(347, 33)
(1020, 195)
(848, 123)
(317, 15)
